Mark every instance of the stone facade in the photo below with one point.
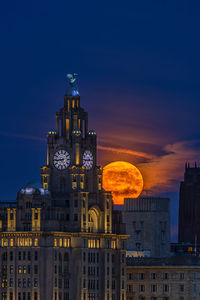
(147, 222)
(58, 240)
(176, 278)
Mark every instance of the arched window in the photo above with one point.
(93, 219)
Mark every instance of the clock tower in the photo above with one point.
(71, 169)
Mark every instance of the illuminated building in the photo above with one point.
(189, 206)
(57, 242)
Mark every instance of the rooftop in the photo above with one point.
(164, 261)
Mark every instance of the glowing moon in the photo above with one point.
(123, 179)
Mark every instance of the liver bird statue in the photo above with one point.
(72, 78)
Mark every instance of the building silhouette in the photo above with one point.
(58, 240)
(189, 206)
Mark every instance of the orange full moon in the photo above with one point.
(123, 179)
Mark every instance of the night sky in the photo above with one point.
(138, 64)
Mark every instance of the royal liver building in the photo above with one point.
(59, 240)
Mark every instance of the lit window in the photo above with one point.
(11, 242)
(36, 242)
(113, 244)
(35, 282)
(19, 269)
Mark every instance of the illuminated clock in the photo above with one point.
(88, 159)
(61, 160)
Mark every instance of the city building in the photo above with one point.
(58, 241)
(184, 249)
(147, 222)
(175, 278)
(189, 206)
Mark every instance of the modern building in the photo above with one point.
(147, 222)
(176, 278)
(57, 241)
(189, 206)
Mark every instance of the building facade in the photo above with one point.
(147, 222)
(189, 206)
(58, 240)
(176, 278)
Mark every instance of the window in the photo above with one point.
(28, 282)
(29, 269)
(24, 269)
(29, 255)
(181, 276)
(19, 269)
(141, 288)
(66, 283)
(19, 296)
(24, 282)
(11, 256)
(181, 288)
(153, 276)
(11, 296)
(35, 269)
(165, 276)
(66, 257)
(35, 296)
(36, 255)
(11, 269)
(75, 217)
(153, 288)
(19, 255)
(24, 255)
(108, 284)
(19, 282)
(35, 282)
(141, 276)
(11, 282)
(165, 288)
(113, 284)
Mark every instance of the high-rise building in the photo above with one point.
(147, 221)
(189, 206)
(57, 241)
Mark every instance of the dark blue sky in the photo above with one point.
(138, 64)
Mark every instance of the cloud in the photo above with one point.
(164, 173)
(126, 151)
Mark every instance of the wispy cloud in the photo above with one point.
(126, 151)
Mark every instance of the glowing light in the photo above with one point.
(123, 179)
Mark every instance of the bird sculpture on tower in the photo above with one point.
(72, 78)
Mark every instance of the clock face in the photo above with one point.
(88, 159)
(61, 160)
